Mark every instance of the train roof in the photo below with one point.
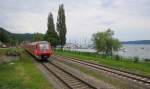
(37, 42)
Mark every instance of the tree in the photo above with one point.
(105, 42)
(61, 25)
(13, 41)
(3, 36)
(37, 37)
(51, 35)
(8, 38)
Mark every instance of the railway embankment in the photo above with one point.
(137, 67)
(19, 72)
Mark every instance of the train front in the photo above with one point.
(44, 50)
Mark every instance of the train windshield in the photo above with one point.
(44, 46)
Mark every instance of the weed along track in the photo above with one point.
(120, 73)
(71, 81)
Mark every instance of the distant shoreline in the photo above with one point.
(145, 42)
(134, 44)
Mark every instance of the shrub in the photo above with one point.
(136, 59)
(147, 60)
(117, 57)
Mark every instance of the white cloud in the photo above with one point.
(23, 22)
(83, 18)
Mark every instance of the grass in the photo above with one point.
(3, 51)
(21, 74)
(128, 65)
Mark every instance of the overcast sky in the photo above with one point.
(130, 19)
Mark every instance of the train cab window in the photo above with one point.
(44, 46)
(36, 46)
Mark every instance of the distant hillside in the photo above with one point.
(24, 37)
(20, 37)
(137, 42)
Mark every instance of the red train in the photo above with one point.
(41, 49)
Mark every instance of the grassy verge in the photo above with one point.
(21, 74)
(136, 67)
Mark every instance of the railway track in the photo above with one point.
(132, 76)
(71, 81)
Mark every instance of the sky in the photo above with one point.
(129, 19)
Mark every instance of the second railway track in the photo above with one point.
(135, 77)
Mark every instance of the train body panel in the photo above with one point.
(41, 49)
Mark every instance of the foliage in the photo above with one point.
(12, 38)
(51, 35)
(3, 36)
(105, 42)
(38, 37)
(23, 37)
(146, 59)
(117, 57)
(7, 38)
(61, 25)
(136, 59)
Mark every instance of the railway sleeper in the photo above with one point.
(72, 81)
(85, 87)
(68, 78)
(65, 76)
(79, 86)
(75, 83)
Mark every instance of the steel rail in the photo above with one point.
(133, 76)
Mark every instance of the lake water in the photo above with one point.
(138, 50)
(128, 50)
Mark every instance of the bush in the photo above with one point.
(136, 59)
(147, 60)
(117, 57)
